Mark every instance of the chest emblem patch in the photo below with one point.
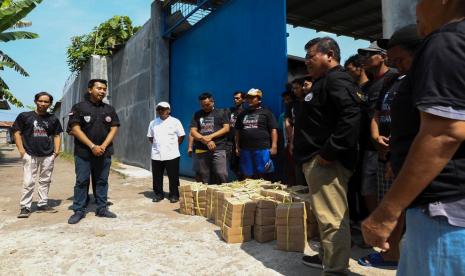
(87, 119)
(309, 97)
(108, 119)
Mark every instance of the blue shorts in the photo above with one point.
(255, 162)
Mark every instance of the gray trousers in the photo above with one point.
(213, 166)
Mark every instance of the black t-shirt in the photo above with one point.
(232, 114)
(329, 120)
(370, 95)
(208, 123)
(255, 126)
(436, 78)
(384, 106)
(37, 132)
(292, 109)
(95, 120)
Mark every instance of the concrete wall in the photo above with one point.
(129, 75)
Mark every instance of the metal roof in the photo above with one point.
(360, 19)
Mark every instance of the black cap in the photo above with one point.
(405, 36)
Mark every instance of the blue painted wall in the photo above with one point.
(240, 46)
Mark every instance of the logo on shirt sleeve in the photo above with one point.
(108, 119)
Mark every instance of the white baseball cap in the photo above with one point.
(163, 105)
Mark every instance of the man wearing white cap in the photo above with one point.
(165, 133)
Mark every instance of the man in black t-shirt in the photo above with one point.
(232, 113)
(37, 137)
(400, 50)
(428, 150)
(256, 137)
(209, 127)
(375, 63)
(94, 125)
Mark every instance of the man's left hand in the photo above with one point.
(323, 162)
(273, 151)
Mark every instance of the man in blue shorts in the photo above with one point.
(256, 137)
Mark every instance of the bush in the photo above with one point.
(104, 40)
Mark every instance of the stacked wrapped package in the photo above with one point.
(219, 198)
(264, 228)
(186, 200)
(238, 215)
(278, 195)
(291, 224)
(199, 193)
(312, 224)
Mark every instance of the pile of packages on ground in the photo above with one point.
(254, 209)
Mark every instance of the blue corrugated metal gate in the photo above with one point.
(239, 46)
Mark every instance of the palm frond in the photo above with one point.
(7, 95)
(16, 11)
(7, 61)
(9, 36)
(3, 84)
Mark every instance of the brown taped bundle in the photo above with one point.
(291, 226)
(236, 234)
(264, 233)
(278, 195)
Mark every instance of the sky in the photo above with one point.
(56, 21)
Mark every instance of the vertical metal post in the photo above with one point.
(396, 14)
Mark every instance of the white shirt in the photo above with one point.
(165, 135)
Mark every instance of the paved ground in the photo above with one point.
(145, 239)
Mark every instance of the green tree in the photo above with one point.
(104, 40)
(11, 15)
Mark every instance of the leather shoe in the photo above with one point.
(174, 199)
(105, 213)
(76, 217)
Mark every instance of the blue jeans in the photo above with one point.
(431, 246)
(83, 167)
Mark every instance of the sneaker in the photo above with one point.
(312, 261)
(174, 199)
(76, 217)
(24, 213)
(105, 213)
(46, 209)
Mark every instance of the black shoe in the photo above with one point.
(24, 213)
(105, 213)
(312, 261)
(157, 198)
(76, 217)
(46, 209)
(174, 199)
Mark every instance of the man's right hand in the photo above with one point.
(382, 143)
(22, 153)
(205, 139)
(98, 151)
(189, 152)
(211, 145)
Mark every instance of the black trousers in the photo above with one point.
(172, 169)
